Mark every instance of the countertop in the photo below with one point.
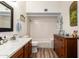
(12, 46)
(64, 36)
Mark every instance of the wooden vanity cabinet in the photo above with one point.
(24, 52)
(65, 47)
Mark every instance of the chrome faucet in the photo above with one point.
(14, 37)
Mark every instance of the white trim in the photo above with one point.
(31, 14)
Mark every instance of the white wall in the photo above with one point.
(43, 28)
(66, 17)
(22, 9)
(19, 8)
(53, 6)
(39, 6)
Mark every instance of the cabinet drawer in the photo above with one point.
(18, 54)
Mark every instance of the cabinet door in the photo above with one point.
(26, 51)
(56, 44)
(72, 48)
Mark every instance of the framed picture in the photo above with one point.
(22, 18)
(73, 14)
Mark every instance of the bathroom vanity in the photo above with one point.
(19, 48)
(24, 52)
(65, 46)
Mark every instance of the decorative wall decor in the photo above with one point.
(22, 18)
(73, 14)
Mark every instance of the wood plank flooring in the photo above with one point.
(44, 53)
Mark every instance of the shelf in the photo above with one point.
(43, 14)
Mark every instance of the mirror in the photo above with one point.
(6, 17)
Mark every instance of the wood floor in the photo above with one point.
(44, 53)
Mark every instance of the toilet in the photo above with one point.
(34, 46)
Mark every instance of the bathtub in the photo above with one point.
(45, 43)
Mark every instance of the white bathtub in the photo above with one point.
(45, 43)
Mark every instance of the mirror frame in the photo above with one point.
(11, 23)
